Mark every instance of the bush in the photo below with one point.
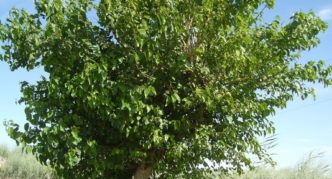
(311, 167)
(15, 164)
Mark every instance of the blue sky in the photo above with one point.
(303, 127)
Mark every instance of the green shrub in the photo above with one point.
(18, 165)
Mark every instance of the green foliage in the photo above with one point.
(166, 84)
(15, 164)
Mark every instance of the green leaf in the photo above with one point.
(26, 126)
(175, 98)
(75, 133)
(149, 91)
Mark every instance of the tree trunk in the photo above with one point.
(143, 172)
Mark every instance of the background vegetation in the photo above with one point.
(311, 167)
(15, 164)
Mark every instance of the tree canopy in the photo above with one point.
(143, 87)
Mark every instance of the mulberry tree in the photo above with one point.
(149, 88)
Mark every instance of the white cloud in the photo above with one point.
(325, 14)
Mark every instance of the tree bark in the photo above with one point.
(143, 172)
